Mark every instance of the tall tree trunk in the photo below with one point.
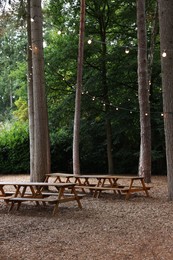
(109, 146)
(30, 92)
(76, 131)
(154, 34)
(41, 140)
(143, 95)
(166, 44)
(108, 125)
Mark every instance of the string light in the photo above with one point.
(127, 50)
(44, 44)
(115, 42)
(117, 108)
(164, 54)
(111, 42)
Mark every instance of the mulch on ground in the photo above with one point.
(109, 227)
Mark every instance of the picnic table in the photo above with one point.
(34, 191)
(119, 184)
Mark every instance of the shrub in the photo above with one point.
(14, 148)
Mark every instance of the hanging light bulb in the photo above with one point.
(89, 41)
(164, 54)
(126, 50)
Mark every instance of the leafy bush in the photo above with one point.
(14, 148)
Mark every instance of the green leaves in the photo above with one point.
(14, 147)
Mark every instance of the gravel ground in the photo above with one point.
(108, 228)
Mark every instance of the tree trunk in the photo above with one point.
(109, 146)
(108, 126)
(30, 91)
(143, 95)
(41, 140)
(154, 34)
(76, 131)
(166, 45)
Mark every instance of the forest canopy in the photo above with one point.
(108, 24)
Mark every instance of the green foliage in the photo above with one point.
(12, 68)
(22, 110)
(117, 19)
(14, 148)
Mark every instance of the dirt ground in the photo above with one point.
(107, 228)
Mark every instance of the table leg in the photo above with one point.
(78, 181)
(2, 191)
(36, 194)
(46, 179)
(76, 197)
(144, 187)
(113, 184)
(22, 195)
(60, 194)
(15, 195)
(100, 184)
(129, 191)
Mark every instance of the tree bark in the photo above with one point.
(108, 126)
(30, 91)
(109, 146)
(154, 34)
(76, 131)
(41, 140)
(143, 95)
(166, 45)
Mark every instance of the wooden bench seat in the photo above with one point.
(80, 196)
(102, 188)
(123, 188)
(44, 194)
(50, 199)
(120, 189)
(6, 197)
(47, 199)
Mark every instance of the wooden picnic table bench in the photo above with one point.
(119, 184)
(37, 194)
